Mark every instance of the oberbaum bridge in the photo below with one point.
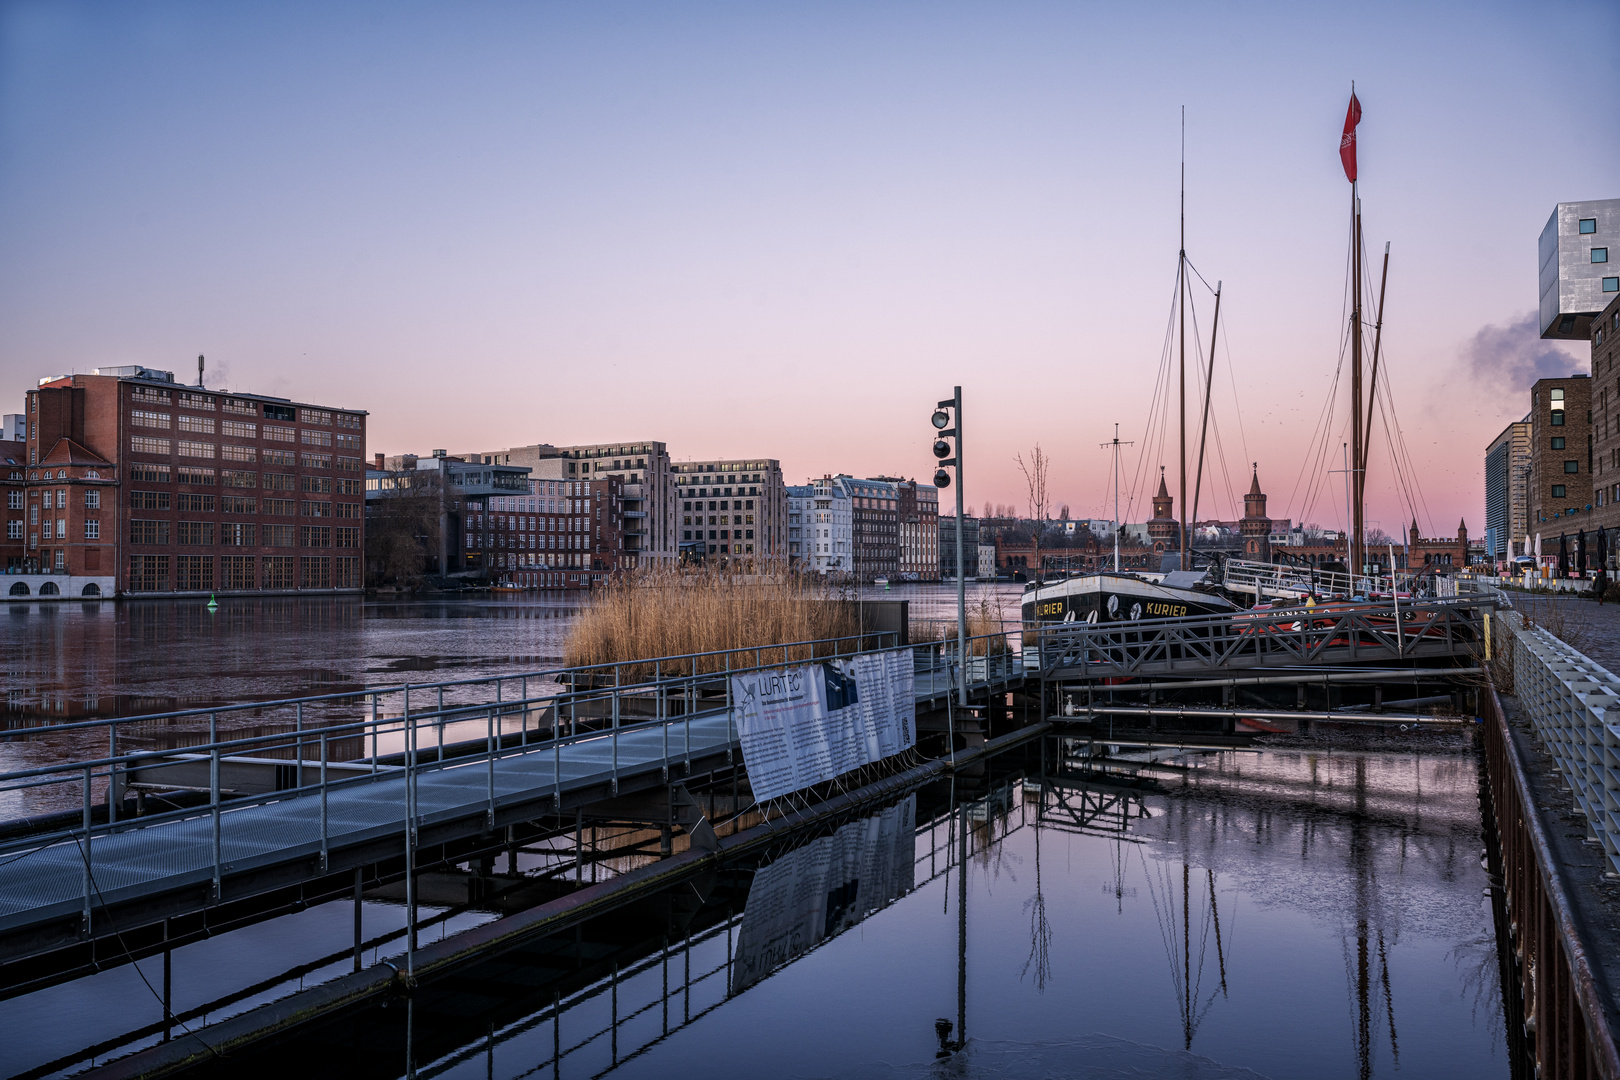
(192, 823)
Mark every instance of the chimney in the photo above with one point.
(199, 371)
(377, 462)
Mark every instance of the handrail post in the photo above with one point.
(113, 794)
(374, 723)
(410, 838)
(489, 749)
(88, 877)
(298, 747)
(615, 729)
(324, 853)
(213, 799)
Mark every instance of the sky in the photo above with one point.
(773, 230)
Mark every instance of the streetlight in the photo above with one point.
(947, 421)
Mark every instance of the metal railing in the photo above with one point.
(1574, 704)
(227, 771)
(1332, 633)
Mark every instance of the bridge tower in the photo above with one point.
(1255, 526)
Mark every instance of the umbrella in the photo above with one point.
(1603, 548)
(1563, 555)
(1580, 551)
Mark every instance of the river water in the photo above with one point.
(1273, 914)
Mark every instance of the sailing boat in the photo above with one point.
(1116, 596)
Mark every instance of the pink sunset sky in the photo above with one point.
(787, 230)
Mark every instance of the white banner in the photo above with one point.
(823, 888)
(805, 724)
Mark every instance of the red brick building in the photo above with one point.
(564, 534)
(137, 484)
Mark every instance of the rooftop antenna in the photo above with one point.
(199, 371)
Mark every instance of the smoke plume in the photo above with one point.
(1510, 357)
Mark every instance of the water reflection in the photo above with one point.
(1276, 914)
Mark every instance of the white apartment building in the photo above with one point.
(647, 493)
(819, 513)
(716, 497)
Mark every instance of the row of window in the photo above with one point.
(92, 499)
(724, 534)
(724, 519)
(240, 534)
(197, 573)
(725, 504)
(14, 530)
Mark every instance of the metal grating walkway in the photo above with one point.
(47, 884)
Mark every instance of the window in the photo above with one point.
(278, 569)
(14, 529)
(142, 418)
(235, 571)
(196, 401)
(280, 482)
(240, 407)
(148, 573)
(196, 504)
(279, 434)
(237, 534)
(140, 444)
(1557, 442)
(280, 412)
(315, 536)
(277, 457)
(315, 416)
(1558, 491)
(92, 500)
(317, 572)
(1558, 418)
(1611, 284)
(1588, 225)
(149, 474)
(315, 508)
(194, 573)
(1600, 255)
(316, 461)
(280, 508)
(312, 437)
(347, 420)
(197, 533)
(317, 484)
(14, 500)
(192, 475)
(148, 500)
(348, 538)
(236, 504)
(239, 479)
(1572, 466)
(280, 536)
(232, 452)
(201, 424)
(148, 532)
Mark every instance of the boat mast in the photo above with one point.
(1181, 300)
(1116, 444)
(1209, 384)
(1354, 547)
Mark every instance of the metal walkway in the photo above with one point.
(343, 782)
(1376, 632)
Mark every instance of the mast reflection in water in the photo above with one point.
(1273, 914)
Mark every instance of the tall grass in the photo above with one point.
(986, 629)
(677, 613)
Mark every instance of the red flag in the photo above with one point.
(1347, 145)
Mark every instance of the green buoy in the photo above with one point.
(212, 604)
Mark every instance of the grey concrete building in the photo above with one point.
(718, 496)
(1579, 259)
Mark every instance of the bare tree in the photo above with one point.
(1063, 512)
(1035, 470)
(403, 530)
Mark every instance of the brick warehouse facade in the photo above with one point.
(140, 485)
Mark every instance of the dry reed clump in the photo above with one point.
(676, 613)
(985, 629)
